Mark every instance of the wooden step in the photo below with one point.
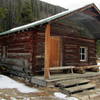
(79, 88)
(70, 83)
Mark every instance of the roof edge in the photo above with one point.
(51, 18)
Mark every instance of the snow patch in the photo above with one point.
(6, 82)
(98, 64)
(26, 99)
(60, 95)
(71, 98)
(63, 96)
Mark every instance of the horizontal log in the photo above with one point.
(20, 51)
(62, 67)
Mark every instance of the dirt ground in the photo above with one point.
(44, 94)
(14, 94)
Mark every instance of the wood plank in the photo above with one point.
(74, 82)
(80, 88)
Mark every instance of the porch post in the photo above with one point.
(47, 52)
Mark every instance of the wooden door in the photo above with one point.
(55, 51)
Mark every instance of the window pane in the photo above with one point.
(83, 57)
(83, 50)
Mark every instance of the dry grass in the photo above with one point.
(14, 94)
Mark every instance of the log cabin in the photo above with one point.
(65, 39)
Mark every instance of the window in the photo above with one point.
(83, 53)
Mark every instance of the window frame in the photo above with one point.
(85, 54)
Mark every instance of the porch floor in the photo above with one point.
(70, 76)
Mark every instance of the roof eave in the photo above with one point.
(46, 20)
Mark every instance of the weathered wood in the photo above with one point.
(94, 68)
(70, 83)
(80, 88)
(38, 82)
(19, 51)
(91, 66)
(34, 51)
(47, 52)
(62, 68)
(37, 42)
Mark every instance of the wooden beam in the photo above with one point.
(47, 52)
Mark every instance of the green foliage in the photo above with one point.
(3, 12)
(3, 16)
(26, 14)
(20, 12)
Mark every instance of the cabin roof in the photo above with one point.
(68, 13)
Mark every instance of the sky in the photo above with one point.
(72, 4)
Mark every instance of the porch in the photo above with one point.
(41, 81)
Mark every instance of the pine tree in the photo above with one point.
(26, 14)
(3, 16)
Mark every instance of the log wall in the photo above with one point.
(71, 51)
(24, 51)
(19, 50)
(71, 42)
